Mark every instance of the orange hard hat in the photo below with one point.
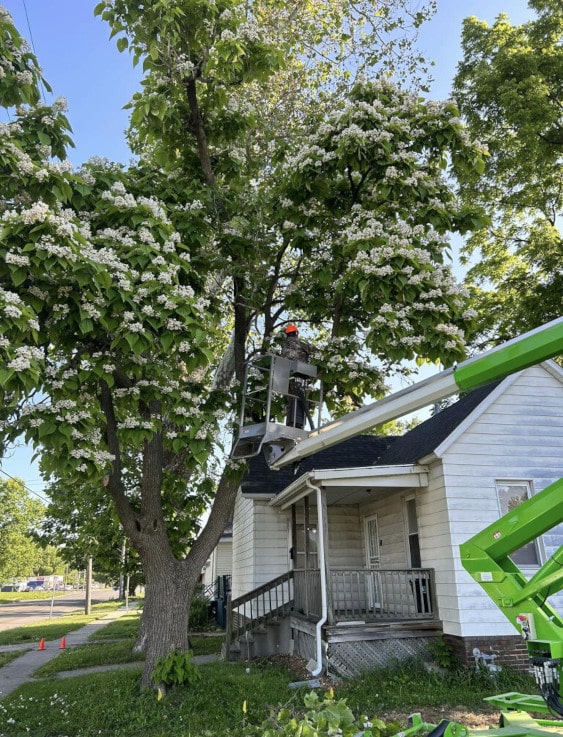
(291, 329)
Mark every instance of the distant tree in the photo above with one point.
(80, 522)
(20, 518)
(509, 87)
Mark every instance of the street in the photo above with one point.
(27, 612)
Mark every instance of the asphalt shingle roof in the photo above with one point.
(362, 450)
(426, 437)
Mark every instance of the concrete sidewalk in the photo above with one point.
(21, 670)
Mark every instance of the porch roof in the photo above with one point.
(351, 485)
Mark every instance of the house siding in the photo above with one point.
(224, 562)
(260, 544)
(272, 537)
(219, 564)
(243, 546)
(345, 544)
(519, 437)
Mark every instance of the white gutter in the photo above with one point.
(322, 571)
(394, 477)
(389, 408)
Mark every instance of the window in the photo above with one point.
(412, 533)
(304, 539)
(510, 495)
(305, 548)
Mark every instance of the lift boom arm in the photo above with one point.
(517, 354)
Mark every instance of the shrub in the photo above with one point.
(199, 611)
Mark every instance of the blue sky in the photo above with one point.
(83, 65)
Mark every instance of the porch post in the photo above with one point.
(322, 517)
(228, 626)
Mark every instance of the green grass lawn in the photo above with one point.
(89, 656)
(410, 683)
(227, 701)
(110, 653)
(10, 597)
(8, 657)
(54, 629)
(111, 704)
(123, 628)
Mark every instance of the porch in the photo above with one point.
(366, 595)
(374, 616)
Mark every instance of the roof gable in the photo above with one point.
(426, 437)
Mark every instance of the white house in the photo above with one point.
(383, 518)
(220, 562)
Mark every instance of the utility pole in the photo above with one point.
(88, 600)
(122, 578)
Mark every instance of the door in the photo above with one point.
(373, 562)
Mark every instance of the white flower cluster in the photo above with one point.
(37, 213)
(24, 355)
(47, 243)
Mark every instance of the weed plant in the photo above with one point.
(199, 611)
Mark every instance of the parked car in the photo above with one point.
(9, 587)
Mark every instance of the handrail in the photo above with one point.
(258, 606)
(262, 589)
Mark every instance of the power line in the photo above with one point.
(22, 483)
(33, 47)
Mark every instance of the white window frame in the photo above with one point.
(528, 489)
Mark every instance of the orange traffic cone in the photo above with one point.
(63, 643)
(42, 644)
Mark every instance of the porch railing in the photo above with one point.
(368, 594)
(272, 599)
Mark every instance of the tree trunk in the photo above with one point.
(164, 623)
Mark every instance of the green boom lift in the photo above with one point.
(486, 556)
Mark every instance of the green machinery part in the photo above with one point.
(486, 556)
(538, 345)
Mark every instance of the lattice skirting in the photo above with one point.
(352, 658)
(347, 659)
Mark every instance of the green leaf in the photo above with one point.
(46, 428)
(19, 276)
(86, 326)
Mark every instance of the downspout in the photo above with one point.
(322, 572)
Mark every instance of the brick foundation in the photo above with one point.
(511, 650)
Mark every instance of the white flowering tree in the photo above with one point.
(131, 298)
